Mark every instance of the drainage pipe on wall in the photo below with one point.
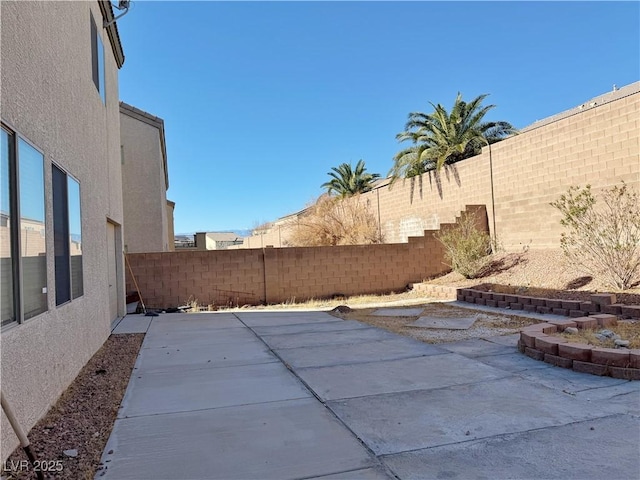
(493, 201)
(24, 441)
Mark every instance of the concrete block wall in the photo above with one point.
(170, 279)
(275, 275)
(597, 144)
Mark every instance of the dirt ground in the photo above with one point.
(83, 417)
(486, 325)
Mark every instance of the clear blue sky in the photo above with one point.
(261, 99)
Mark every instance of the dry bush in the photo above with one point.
(335, 221)
(466, 246)
(603, 240)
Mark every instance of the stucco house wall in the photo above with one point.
(145, 181)
(49, 99)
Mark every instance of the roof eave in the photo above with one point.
(112, 31)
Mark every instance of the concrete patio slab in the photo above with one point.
(357, 380)
(192, 337)
(366, 474)
(476, 348)
(568, 381)
(508, 340)
(398, 312)
(327, 338)
(327, 355)
(132, 324)
(181, 321)
(279, 440)
(262, 319)
(208, 356)
(420, 419)
(512, 362)
(550, 453)
(310, 327)
(180, 391)
(462, 323)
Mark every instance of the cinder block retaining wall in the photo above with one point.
(598, 145)
(275, 275)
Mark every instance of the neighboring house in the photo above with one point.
(208, 241)
(61, 211)
(148, 215)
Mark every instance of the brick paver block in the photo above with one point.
(624, 373)
(634, 358)
(533, 353)
(605, 319)
(616, 357)
(561, 311)
(549, 344)
(538, 302)
(532, 308)
(487, 295)
(603, 298)
(541, 309)
(586, 322)
(558, 361)
(562, 323)
(615, 309)
(524, 300)
(540, 327)
(503, 304)
(476, 293)
(498, 297)
(491, 303)
(511, 298)
(632, 311)
(521, 346)
(469, 299)
(589, 307)
(575, 351)
(551, 303)
(571, 304)
(528, 339)
(480, 301)
(587, 367)
(515, 306)
(576, 313)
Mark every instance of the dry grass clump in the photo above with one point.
(627, 330)
(334, 221)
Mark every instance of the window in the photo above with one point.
(97, 60)
(22, 230)
(67, 236)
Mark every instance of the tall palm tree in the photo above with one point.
(442, 137)
(345, 181)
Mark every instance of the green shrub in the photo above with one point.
(603, 239)
(466, 246)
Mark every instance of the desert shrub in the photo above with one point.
(335, 221)
(603, 238)
(466, 246)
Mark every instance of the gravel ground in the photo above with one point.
(544, 273)
(83, 417)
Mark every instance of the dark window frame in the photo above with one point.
(15, 218)
(66, 288)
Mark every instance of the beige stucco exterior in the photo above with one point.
(49, 98)
(145, 181)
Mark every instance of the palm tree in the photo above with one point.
(441, 138)
(346, 181)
